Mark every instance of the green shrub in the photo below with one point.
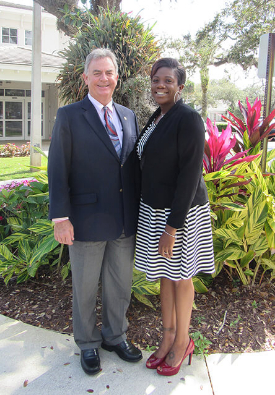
(136, 94)
(134, 46)
(221, 126)
(26, 235)
(141, 288)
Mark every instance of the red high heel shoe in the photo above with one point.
(166, 370)
(154, 361)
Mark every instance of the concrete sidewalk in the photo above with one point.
(49, 364)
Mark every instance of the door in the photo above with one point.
(13, 119)
(28, 119)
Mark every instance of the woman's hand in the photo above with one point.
(166, 242)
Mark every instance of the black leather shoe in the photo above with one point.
(126, 351)
(90, 361)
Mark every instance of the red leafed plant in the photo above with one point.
(253, 129)
(218, 147)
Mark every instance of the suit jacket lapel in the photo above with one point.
(94, 121)
(159, 125)
(125, 127)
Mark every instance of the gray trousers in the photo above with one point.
(114, 260)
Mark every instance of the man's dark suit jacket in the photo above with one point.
(172, 163)
(87, 181)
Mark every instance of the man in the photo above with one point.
(94, 205)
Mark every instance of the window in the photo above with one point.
(9, 35)
(28, 37)
(14, 92)
(28, 93)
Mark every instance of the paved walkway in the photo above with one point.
(49, 364)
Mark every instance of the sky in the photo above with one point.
(176, 18)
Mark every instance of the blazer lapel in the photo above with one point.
(94, 121)
(125, 127)
(159, 125)
(151, 119)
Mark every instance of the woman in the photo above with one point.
(174, 238)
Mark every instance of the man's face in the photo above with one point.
(101, 79)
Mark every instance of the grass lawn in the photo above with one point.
(17, 167)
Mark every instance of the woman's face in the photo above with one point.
(164, 86)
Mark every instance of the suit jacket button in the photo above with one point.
(120, 190)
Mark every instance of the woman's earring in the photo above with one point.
(179, 95)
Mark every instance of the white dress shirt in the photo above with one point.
(113, 115)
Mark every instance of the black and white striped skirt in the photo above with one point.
(193, 248)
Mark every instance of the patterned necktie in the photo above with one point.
(110, 127)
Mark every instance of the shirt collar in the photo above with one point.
(100, 106)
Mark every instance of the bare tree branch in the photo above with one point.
(54, 7)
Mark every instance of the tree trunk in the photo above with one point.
(204, 73)
(54, 7)
(112, 4)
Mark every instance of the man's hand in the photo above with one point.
(64, 232)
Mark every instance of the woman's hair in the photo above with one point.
(171, 64)
(99, 53)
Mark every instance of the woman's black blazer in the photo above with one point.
(171, 163)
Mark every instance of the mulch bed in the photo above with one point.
(233, 318)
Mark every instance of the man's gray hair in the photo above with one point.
(100, 53)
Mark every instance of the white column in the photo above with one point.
(36, 86)
(266, 68)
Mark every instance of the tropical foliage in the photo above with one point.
(141, 288)
(26, 235)
(217, 148)
(241, 197)
(27, 240)
(253, 129)
(134, 46)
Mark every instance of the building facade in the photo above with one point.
(16, 71)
